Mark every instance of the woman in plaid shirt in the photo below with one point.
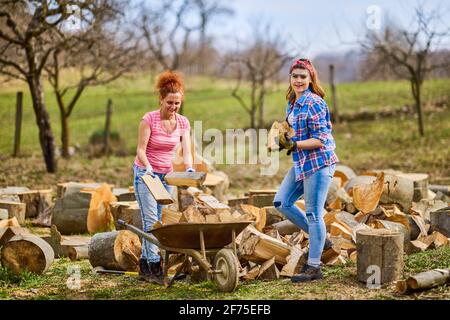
(314, 160)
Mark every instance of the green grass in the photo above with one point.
(339, 283)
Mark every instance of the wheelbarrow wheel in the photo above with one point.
(226, 262)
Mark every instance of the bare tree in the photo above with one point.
(166, 32)
(257, 64)
(98, 55)
(208, 10)
(32, 31)
(407, 51)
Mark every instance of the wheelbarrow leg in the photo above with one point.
(166, 268)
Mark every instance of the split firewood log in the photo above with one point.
(115, 250)
(127, 211)
(424, 280)
(273, 215)
(286, 227)
(257, 247)
(346, 226)
(27, 252)
(345, 173)
(348, 186)
(269, 270)
(185, 179)
(7, 232)
(169, 216)
(367, 196)
(425, 207)
(252, 273)
(259, 214)
(261, 198)
(277, 129)
(295, 261)
(15, 209)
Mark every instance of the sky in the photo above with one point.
(317, 26)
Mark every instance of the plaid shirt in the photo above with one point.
(311, 120)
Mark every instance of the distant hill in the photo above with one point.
(346, 65)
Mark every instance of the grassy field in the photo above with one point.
(385, 143)
(339, 283)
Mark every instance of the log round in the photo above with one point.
(379, 255)
(344, 172)
(15, 209)
(420, 183)
(348, 186)
(70, 213)
(27, 252)
(116, 250)
(78, 253)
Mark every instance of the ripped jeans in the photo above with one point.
(314, 190)
(150, 211)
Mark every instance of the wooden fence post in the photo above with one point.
(19, 104)
(107, 127)
(333, 95)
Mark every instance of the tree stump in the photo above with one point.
(379, 255)
(116, 250)
(27, 252)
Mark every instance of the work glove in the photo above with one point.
(149, 171)
(285, 143)
(190, 169)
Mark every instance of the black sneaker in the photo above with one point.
(308, 273)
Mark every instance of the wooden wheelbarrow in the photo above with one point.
(200, 240)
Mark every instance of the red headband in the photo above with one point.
(303, 62)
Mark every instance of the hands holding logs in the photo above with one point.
(280, 137)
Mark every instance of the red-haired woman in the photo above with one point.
(314, 160)
(159, 133)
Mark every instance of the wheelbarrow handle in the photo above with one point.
(139, 232)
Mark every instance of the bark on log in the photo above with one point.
(78, 253)
(27, 252)
(420, 183)
(286, 227)
(440, 221)
(70, 213)
(399, 190)
(424, 280)
(382, 250)
(116, 250)
(15, 209)
(273, 215)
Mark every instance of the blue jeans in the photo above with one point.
(314, 189)
(150, 211)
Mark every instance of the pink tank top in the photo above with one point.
(161, 145)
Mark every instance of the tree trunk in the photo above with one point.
(417, 94)
(46, 138)
(65, 136)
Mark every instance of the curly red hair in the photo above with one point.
(169, 82)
